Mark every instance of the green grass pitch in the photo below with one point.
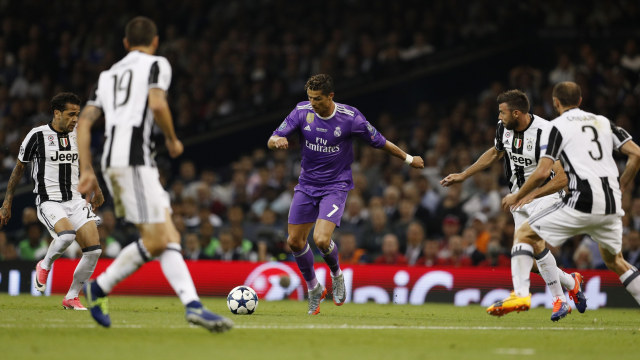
(154, 328)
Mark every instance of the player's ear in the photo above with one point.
(125, 42)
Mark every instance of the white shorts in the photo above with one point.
(137, 194)
(560, 222)
(522, 214)
(77, 211)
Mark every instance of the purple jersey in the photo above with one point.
(327, 150)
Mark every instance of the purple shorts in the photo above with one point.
(307, 209)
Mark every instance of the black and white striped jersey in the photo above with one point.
(54, 163)
(522, 150)
(122, 93)
(584, 142)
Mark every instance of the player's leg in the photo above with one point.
(609, 238)
(53, 216)
(330, 212)
(520, 216)
(89, 241)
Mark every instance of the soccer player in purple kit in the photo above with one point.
(326, 131)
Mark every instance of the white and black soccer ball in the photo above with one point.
(242, 300)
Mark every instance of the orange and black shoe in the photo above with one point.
(576, 293)
(560, 309)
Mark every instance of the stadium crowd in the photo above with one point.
(227, 54)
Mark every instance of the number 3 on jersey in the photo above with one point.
(595, 140)
(335, 208)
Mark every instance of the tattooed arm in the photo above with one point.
(16, 175)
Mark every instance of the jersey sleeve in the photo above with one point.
(554, 144)
(289, 125)
(364, 130)
(620, 136)
(94, 99)
(160, 74)
(497, 142)
(29, 147)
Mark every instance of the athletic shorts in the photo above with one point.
(137, 194)
(77, 211)
(307, 209)
(559, 222)
(522, 214)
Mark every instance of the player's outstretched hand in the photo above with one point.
(452, 179)
(175, 147)
(88, 185)
(97, 200)
(5, 215)
(508, 202)
(417, 162)
(282, 143)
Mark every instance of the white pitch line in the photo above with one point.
(320, 327)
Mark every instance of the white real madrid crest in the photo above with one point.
(337, 132)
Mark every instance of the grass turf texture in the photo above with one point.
(154, 328)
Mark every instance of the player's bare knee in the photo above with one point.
(322, 241)
(295, 243)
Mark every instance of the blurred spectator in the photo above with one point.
(632, 248)
(348, 253)
(390, 252)
(415, 236)
(7, 250)
(582, 258)
(34, 246)
(373, 231)
(229, 249)
(192, 249)
(495, 256)
(110, 245)
(429, 253)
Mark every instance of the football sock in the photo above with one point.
(177, 273)
(521, 264)
(126, 263)
(304, 259)
(566, 280)
(330, 256)
(57, 247)
(549, 271)
(631, 280)
(84, 269)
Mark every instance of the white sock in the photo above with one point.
(177, 273)
(549, 271)
(521, 264)
(57, 247)
(126, 263)
(566, 280)
(84, 269)
(631, 281)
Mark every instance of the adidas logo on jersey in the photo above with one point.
(308, 128)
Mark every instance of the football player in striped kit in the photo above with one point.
(132, 96)
(52, 150)
(584, 143)
(517, 141)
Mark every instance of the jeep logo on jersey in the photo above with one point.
(64, 156)
(521, 160)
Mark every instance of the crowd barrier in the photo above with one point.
(364, 283)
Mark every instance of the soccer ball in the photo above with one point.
(242, 300)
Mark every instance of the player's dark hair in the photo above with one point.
(140, 31)
(515, 100)
(60, 101)
(322, 82)
(568, 93)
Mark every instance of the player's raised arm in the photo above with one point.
(632, 150)
(88, 183)
(484, 161)
(162, 115)
(277, 142)
(14, 180)
(413, 161)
